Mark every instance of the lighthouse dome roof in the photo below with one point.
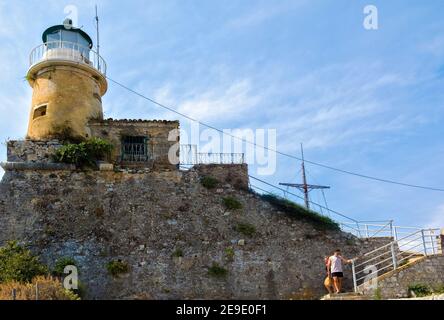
(67, 32)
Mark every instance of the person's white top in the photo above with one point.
(336, 264)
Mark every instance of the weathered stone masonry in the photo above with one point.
(428, 271)
(96, 217)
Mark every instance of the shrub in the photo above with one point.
(246, 229)
(217, 271)
(296, 211)
(18, 264)
(231, 203)
(420, 290)
(177, 253)
(84, 153)
(48, 289)
(209, 182)
(61, 264)
(117, 267)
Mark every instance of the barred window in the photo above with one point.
(135, 149)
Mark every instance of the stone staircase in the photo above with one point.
(412, 256)
(389, 271)
(346, 296)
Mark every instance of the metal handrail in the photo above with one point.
(421, 242)
(221, 158)
(190, 156)
(70, 51)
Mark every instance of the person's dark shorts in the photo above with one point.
(337, 275)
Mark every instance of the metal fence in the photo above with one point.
(190, 156)
(416, 244)
(63, 50)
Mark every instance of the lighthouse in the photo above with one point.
(68, 79)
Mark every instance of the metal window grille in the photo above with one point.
(135, 149)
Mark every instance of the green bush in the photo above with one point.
(61, 264)
(19, 264)
(231, 203)
(84, 153)
(209, 182)
(420, 290)
(246, 229)
(117, 267)
(296, 211)
(217, 271)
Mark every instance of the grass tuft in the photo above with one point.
(217, 271)
(246, 229)
(209, 182)
(298, 212)
(231, 203)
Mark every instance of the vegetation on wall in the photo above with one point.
(231, 203)
(117, 267)
(209, 182)
(246, 229)
(177, 253)
(229, 254)
(296, 211)
(217, 271)
(420, 290)
(60, 265)
(84, 153)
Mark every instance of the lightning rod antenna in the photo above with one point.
(98, 38)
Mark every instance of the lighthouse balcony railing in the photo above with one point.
(67, 51)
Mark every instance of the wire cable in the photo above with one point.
(274, 150)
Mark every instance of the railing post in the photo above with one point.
(358, 229)
(424, 242)
(391, 229)
(441, 242)
(432, 241)
(395, 233)
(392, 249)
(14, 294)
(366, 231)
(355, 284)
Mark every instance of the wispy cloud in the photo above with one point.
(261, 13)
(437, 218)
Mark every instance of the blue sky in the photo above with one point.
(364, 101)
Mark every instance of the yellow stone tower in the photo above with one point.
(68, 81)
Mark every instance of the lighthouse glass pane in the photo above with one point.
(54, 36)
(73, 40)
(53, 40)
(68, 36)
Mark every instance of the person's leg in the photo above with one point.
(328, 289)
(335, 284)
(328, 285)
(339, 284)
